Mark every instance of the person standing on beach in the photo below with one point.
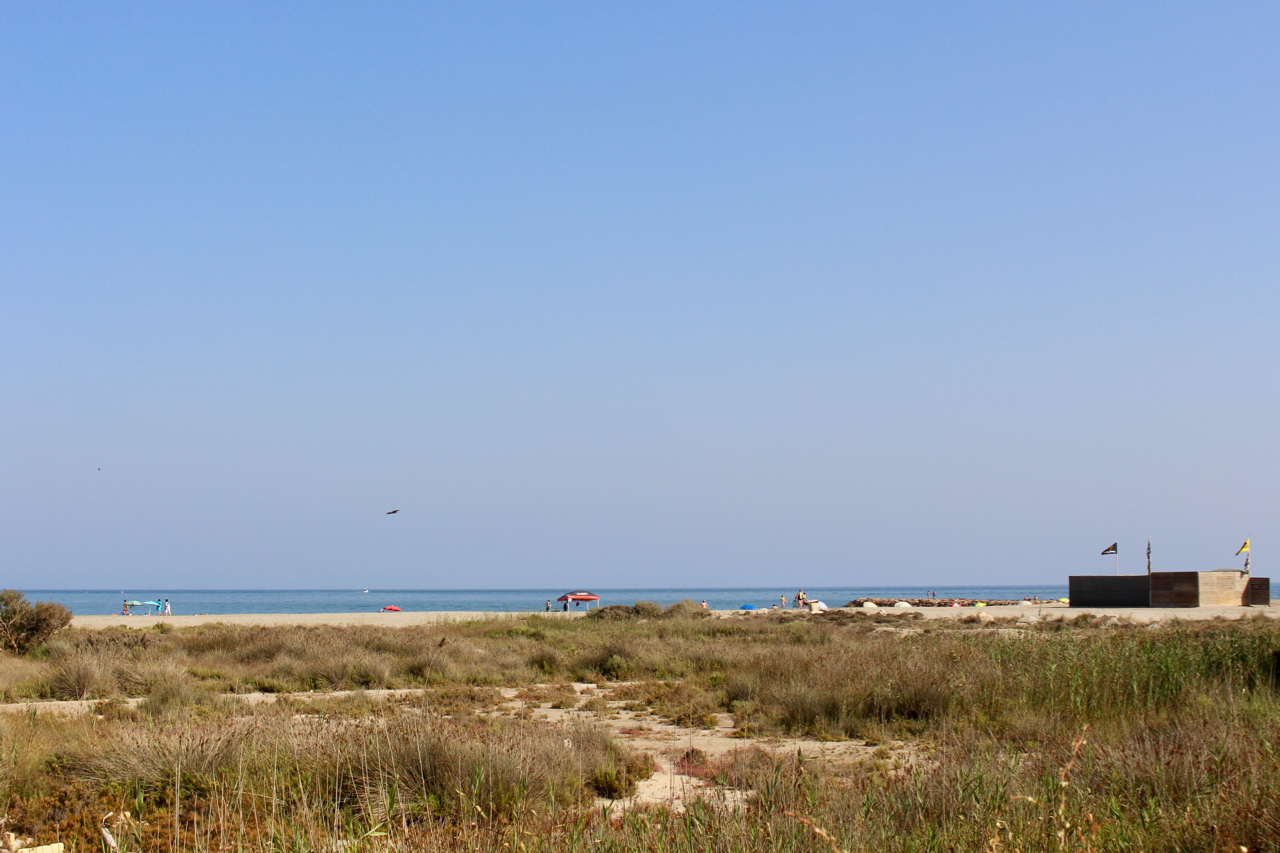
(548, 605)
(125, 610)
(167, 611)
(783, 599)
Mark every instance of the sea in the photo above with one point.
(103, 602)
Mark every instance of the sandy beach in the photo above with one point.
(405, 620)
(389, 620)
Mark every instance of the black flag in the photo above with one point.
(1148, 555)
(1110, 550)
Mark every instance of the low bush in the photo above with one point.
(544, 659)
(648, 609)
(24, 626)
(685, 609)
(80, 677)
(617, 612)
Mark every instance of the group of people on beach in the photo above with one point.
(799, 601)
(161, 610)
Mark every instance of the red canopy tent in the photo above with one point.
(579, 595)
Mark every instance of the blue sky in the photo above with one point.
(658, 295)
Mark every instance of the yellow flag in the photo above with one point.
(1243, 548)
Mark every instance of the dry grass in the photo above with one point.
(366, 768)
(1180, 753)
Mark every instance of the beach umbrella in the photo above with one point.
(579, 595)
(136, 603)
(747, 607)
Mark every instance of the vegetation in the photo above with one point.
(1048, 737)
(24, 626)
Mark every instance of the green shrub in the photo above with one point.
(544, 659)
(618, 777)
(24, 626)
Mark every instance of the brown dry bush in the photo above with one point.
(143, 676)
(618, 612)
(648, 609)
(407, 768)
(136, 754)
(80, 677)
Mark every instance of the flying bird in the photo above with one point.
(393, 512)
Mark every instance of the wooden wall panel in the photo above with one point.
(1109, 591)
(1222, 589)
(1175, 589)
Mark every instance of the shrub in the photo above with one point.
(24, 626)
(613, 662)
(618, 777)
(616, 612)
(544, 659)
(151, 757)
(170, 697)
(144, 677)
(81, 678)
(685, 609)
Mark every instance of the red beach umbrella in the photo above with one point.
(579, 595)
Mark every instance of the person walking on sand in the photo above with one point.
(125, 609)
(783, 599)
(167, 611)
(548, 605)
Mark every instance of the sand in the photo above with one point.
(389, 620)
(404, 620)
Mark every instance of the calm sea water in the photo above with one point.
(196, 601)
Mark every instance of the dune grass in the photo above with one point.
(1053, 738)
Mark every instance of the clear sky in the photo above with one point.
(658, 294)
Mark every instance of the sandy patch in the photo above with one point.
(389, 620)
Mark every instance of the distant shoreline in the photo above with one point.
(189, 602)
(411, 619)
